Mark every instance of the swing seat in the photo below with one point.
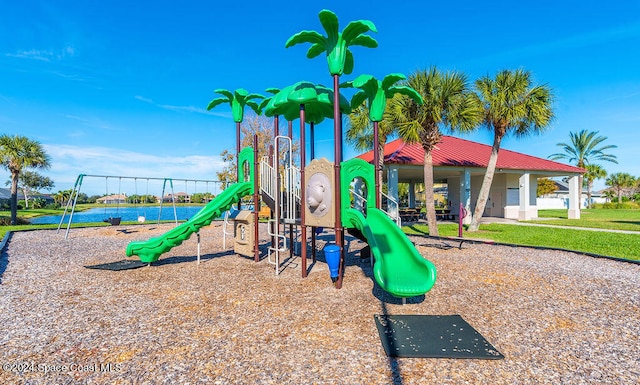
(113, 221)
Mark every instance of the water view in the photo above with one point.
(125, 213)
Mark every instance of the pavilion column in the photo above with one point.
(412, 194)
(392, 184)
(524, 212)
(574, 197)
(465, 194)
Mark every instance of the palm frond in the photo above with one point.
(315, 50)
(407, 91)
(360, 129)
(367, 83)
(358, 99)
(364, 41)
(348, 63)
(254, 106)
(312, 37)
(356, 29)
(217, 101)
(224, 92)
(391, 79)
(329, 22)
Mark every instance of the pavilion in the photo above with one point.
(461, 165)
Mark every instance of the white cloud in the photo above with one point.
(170, 107)
(69, 161)
(45, 55)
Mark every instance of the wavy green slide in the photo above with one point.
(150, 250)
(399, 269)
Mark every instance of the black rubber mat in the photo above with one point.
(125, 264)
(432, 336)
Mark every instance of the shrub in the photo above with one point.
(616, 205)
(38, 203)
(6, 221)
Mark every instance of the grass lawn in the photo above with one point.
(625, 246)
(594, 218)
(611, 244)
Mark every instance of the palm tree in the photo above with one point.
(447, 102)
(340, 60)
(237, 100)
(377, 93)
(17, 153)
(594, 172)
(620, 181)
(585, 147)
(511, 105)
(336, 44)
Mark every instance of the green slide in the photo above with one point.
(150, 250)
(399, 269)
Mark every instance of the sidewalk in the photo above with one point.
(515, 222)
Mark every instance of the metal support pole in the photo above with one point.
(238, 160)
(337, 149)
(376, 162)
(256, 201)
(198, 237)
(303, 160)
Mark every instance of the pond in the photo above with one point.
(126, 213)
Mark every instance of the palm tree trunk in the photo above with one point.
(486, 185)
(26, 198)
(377, 162)
(428, 192)
(14, 198)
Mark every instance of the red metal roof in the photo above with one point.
(456, 152)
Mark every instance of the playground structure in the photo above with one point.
(112, 216)
(322, 197)
(399, 269)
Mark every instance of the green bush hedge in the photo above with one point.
(616, 205)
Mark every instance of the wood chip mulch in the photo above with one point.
(558, 317)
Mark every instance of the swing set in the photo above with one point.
(112, 213)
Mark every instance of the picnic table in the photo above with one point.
(445, 214)
(409, 215)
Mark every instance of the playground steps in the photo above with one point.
(270, 202)
(267, 199)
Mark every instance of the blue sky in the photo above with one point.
(121, 87)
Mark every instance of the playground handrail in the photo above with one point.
(267, 178)
(395, 219)
(225, 232)
(292, 186)
(363, 201)
(393, 214)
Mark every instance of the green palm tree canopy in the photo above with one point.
(237, 100)
(620, 180)
(594, 172)
(447, 101)
(336, 44)
(263, 104)
(377, 92)
(511, 103)
(585, 147)
(317, 99)
(18, 152)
